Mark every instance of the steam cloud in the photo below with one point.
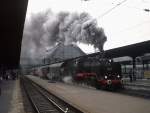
(67, 79)
(48, 29)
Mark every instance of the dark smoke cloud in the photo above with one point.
(47, 29)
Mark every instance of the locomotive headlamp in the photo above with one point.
(109, 82)
(118, 76)
(105, 77)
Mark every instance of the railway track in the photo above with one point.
(44, 102)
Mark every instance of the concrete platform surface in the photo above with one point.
(10, 98)
(96, 101)
(138, 82)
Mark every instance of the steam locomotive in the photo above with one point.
(101, 73)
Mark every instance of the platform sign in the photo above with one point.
(147, 74)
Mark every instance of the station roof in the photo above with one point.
(134, 50)
(12, 19)
(146, 58)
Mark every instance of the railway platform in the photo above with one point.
(144, 82)
(95, 101)
(10, 98)
(139, 84)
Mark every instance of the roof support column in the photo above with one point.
(143, 68)
(147, 66)
(134, 69)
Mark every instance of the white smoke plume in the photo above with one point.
(47, 29)
(68, 79)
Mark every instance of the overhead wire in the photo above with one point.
(108, 11)
(138, 24)
(117, 5)
(134, 26)
(141, 9)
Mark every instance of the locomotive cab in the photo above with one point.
(109, 76)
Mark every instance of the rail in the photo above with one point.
(45, 102)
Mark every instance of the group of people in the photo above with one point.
(9, 75)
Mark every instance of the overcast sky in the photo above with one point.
(124, 24)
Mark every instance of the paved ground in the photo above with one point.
(139, 84)
(10, 99)
(143, 82)
(96, 101)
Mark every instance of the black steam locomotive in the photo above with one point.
(101, 73)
